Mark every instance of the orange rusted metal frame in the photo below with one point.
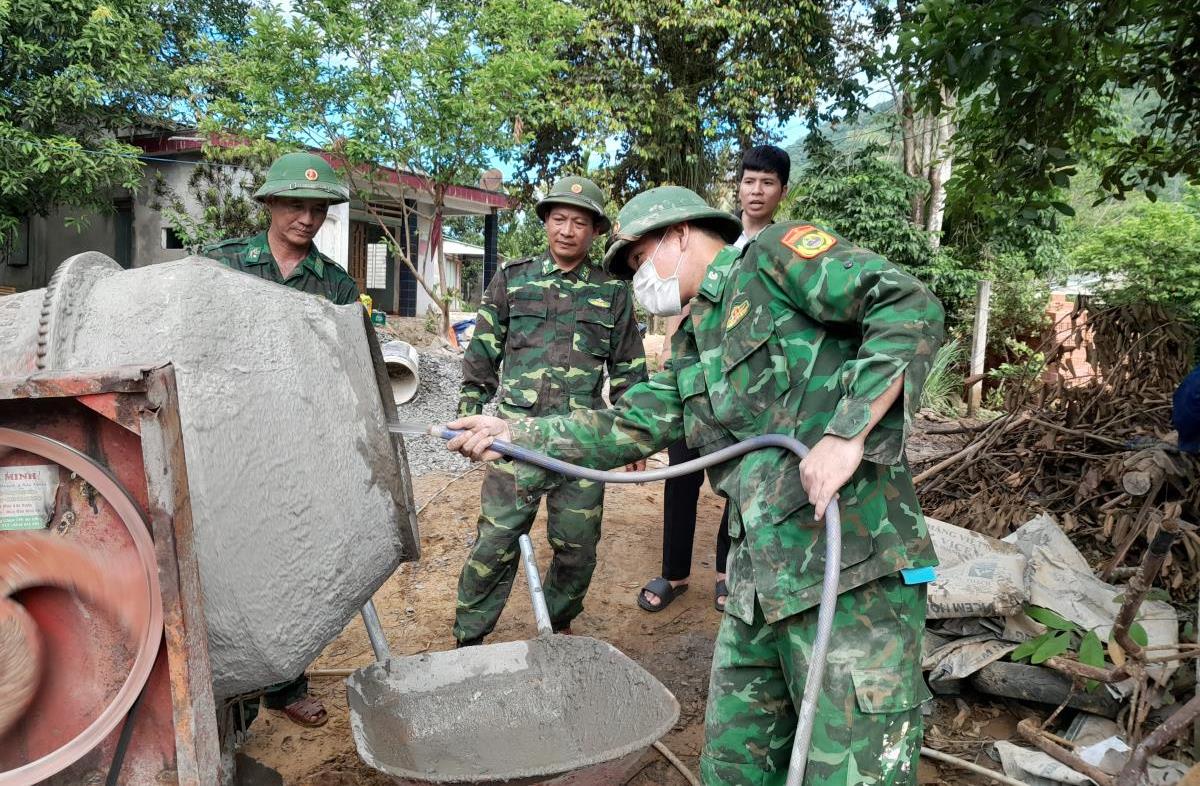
(143, 400)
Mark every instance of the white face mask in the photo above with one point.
(660, 296)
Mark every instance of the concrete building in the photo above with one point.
(137, 233)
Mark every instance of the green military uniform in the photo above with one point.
(796, 335)
(295, 176)
(317, 274)
(555, 333)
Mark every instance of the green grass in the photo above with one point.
(943, 386)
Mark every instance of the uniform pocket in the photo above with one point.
(753, 367)
(888, 691)
(519, 398)
(526, 320)
(699, 426)
(593, 333)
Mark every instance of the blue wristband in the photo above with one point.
(918, 575)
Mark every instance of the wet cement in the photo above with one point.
(300, 506)
(517, 712)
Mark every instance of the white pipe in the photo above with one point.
(403, 367)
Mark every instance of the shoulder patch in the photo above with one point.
(515, 262)
(736, 314)
(807, 241)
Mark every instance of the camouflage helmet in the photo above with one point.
(658, 208)
(303, 176)
(576, 192)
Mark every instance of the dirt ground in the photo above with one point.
(416, 606)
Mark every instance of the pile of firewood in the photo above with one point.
(1093, 454)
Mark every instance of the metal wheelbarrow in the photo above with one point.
(561, 710)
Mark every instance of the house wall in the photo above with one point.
(49, 240)
(429, 270)
(148, 223)
(334, 238)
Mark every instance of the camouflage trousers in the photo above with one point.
(574, 510)
(868, 722)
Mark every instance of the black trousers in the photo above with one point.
(679, 519)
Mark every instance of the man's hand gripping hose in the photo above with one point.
(833, 547)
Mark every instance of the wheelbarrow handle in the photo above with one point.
(541, 613)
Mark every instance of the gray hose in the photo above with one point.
(833, 554)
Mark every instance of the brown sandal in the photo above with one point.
(307, 711)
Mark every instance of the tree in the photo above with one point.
(221, 186)
(436, 92)
(863, 195)
(73, 74)
(1149, 256)
(677, 86)
(1039, 85)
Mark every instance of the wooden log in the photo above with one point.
(979, 345)
(1042, 685)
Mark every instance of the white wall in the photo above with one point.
(334, 238)
(148, 223)
(428, 268)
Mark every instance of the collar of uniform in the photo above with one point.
(718, 272)
(549, 266)
(258, 252)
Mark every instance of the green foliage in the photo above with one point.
(1050, 618)
(1053, 646)
(945, 381)
(1019, 297)
(1015, 374)
(388, 81)
(220, 205)
(1064, 636)
(70, 72)
(522, 235)
(1150, 255)
(677, 86)
(864, 196)
(1091, 653)
(1040, 84)
(441, 92)
(73, 73)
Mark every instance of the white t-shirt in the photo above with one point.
(743, 238)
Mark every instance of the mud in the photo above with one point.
(301, 510)
(514, 712)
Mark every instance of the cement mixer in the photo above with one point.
(201, 459)
(199, 488)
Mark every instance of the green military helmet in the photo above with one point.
(658, 208)
(576, 192)
(303, 176)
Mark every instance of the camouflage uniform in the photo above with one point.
(294, 176)
(317, 274)
(556, 333)
(797, 334)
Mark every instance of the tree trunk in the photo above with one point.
(941, 167)
(439, 255)
(911, 140)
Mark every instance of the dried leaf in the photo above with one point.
(1115, 653)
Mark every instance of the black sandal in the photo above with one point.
(722, 591)
(665, 592)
